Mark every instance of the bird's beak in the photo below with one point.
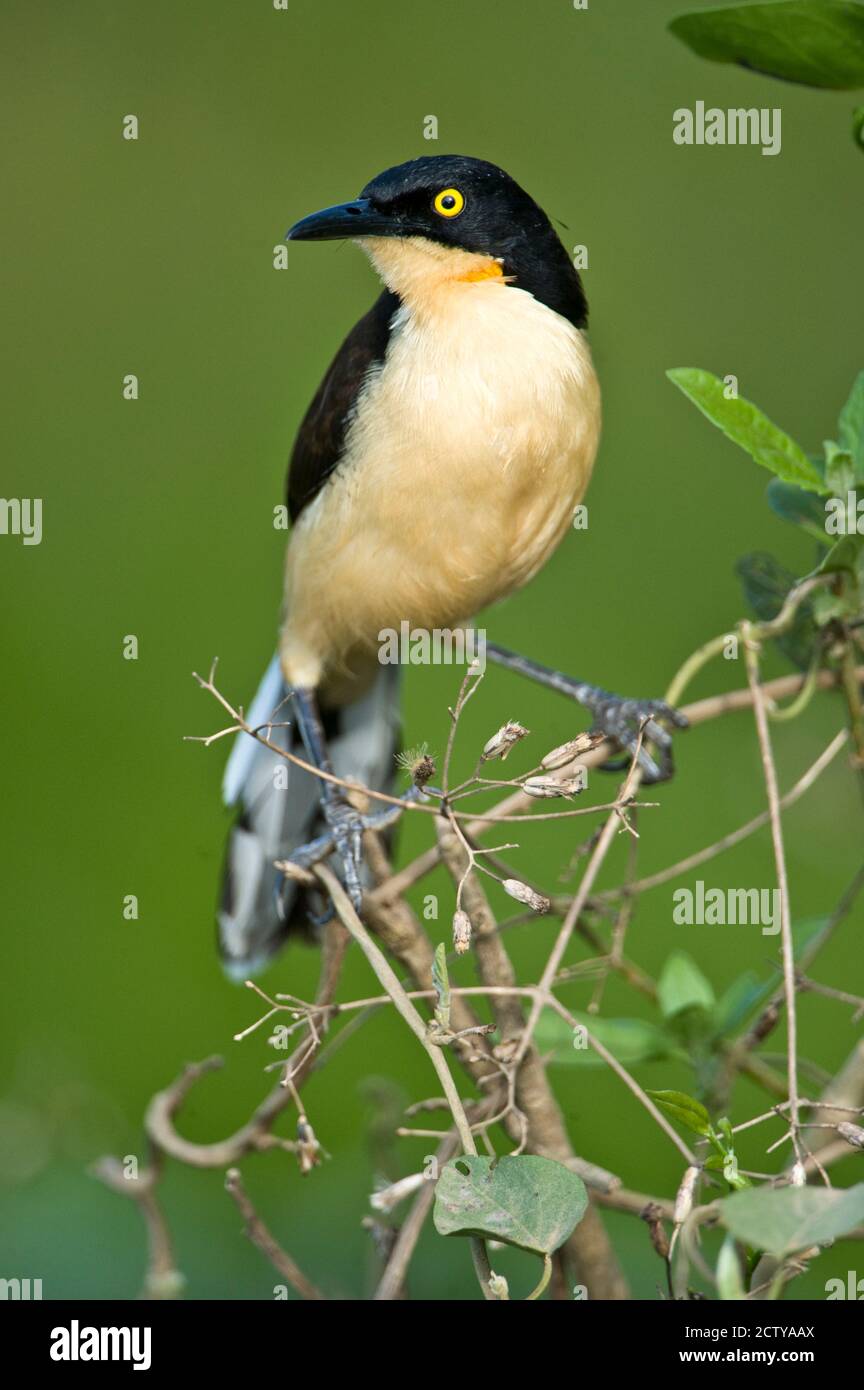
(357, 219)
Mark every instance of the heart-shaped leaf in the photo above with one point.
(524, 1200)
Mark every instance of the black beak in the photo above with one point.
(356, 219)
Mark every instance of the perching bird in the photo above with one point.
(437, 468)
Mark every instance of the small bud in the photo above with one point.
(853, 1134)
(423, 770)
(308, 1149)
(418, 763)
(506, 738)
(461, 932)
(498, 1286)
(523, 894)
(684, 1196)
(551, 786)
(798, 1176)
(566, 752)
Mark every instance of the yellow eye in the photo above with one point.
(449, 202)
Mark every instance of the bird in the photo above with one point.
(435, 471)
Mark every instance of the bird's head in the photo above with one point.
(447, 220)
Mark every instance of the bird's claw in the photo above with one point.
(622, 720)
(346, 826)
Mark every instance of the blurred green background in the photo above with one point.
(155, 257)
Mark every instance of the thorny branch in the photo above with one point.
(511, 1077)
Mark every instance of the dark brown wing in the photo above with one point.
(321, 437)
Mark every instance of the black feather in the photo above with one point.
(321, 437)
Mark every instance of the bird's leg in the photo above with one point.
(345, 823)
(618, 718)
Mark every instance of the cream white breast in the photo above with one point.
(468, 450)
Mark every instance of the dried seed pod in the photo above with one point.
(308, 1149)
(566, 752)
(525, 894)
(853, 1134)
(652, 1214)
(551, 786)
(507, 737)
(684, 1196)
(461, 932)
(387, 1198)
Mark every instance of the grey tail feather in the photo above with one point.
(279, 809)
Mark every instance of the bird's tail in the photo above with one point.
(279, 809)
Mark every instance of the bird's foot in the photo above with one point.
(344, 835)
(633, 724)
(346, 826)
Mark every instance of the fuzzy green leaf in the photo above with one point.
(524, 1200)
(783, 1219)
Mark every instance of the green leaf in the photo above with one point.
(745, 425)
(730, 1282)
(441, 984)
(851, 423)
(740, 999)
(685, 1110)
(534, 1203)
(730, 1171)
(783, 1219)
(819, 43)
(628, 1039)
(766, 583)
(858, 126)
(683, 986)
(839, 468)
(804, 509)
(804, 932)
(844, 555)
